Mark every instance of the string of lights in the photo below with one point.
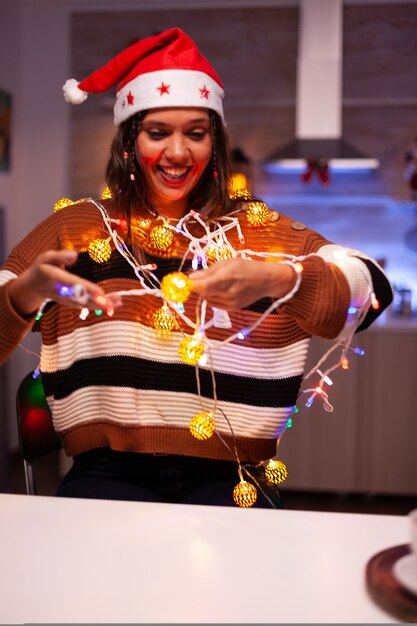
(196, 348)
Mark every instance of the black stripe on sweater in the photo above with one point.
(122, 371)
(118, 267)
(382, 290)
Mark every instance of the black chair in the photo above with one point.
(37, 436)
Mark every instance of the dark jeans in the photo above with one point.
(110, 475)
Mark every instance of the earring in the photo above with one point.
(214, 155)
(130, 162)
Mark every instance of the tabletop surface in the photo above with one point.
(73, 560)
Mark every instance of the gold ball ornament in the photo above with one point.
(106, 193)
(191, 350)
(161, 237)
(241, 194)
(164, 320)
(176, 287)
(99, 250)
(245, 494)
(218, 253)
(141, 228)
(276, 472)
(202, 426)
(61, 203)
(257, 214)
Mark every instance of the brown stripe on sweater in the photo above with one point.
(164, 440)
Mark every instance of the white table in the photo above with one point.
(70, 560)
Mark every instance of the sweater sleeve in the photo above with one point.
(337, 289)
(13, 327)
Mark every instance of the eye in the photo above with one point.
(156, 133)
(197, 134)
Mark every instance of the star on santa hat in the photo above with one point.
(204, 92)
(130, 98)
(163, 88)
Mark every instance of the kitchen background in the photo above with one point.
(366, 98)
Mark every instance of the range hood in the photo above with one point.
(318, 135)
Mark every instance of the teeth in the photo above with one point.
(174, 172)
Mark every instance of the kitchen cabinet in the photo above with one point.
(368, 444)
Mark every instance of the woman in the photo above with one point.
(158, 396)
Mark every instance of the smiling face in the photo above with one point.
(175, 147)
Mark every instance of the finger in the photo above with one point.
(58, 257)
(72, 290)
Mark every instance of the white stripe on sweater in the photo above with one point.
(358, 277)
(132, 339)
(161, 408)
(5, 276)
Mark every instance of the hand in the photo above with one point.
(237, 283)
(45, 278)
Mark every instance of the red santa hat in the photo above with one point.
(165, 70)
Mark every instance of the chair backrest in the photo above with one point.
(37, 436)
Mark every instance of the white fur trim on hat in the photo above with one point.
(72, 93)
(168, 88)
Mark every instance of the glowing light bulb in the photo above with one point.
(257, 214)
(100, 300)
(99, 250)
(239, 181)
(176, 287)
(375, 302)
(219, 252)
(276, 471)
(345, 363)
(242, 334)
(352, 310)
(298, 267)
(161, 237)
(61, 203)
(164, 320)
(121, 223)
(106, 193)
(243, 194)
(359, 351)
(66, 290)
(191, 350)
(245, 494)
(202, 426)
(84, 313)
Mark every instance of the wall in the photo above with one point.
(9, 80)
(33, 38)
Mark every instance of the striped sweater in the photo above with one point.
(115, 382)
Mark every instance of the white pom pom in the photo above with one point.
(72, 93)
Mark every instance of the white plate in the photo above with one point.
(405, 571)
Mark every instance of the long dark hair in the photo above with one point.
(210, 198)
